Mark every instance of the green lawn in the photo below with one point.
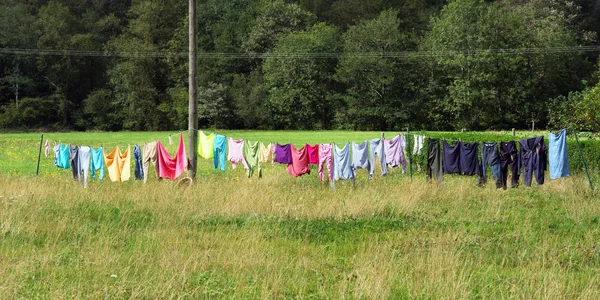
(229, 236)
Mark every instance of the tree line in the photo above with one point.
(306, 64)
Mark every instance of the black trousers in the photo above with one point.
(509, 158)
(434, 161)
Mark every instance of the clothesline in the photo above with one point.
(342, 162)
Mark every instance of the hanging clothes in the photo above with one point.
(168, 167)
(434, 160)
(418, 145)
(266, 153)
(282, 154)
(138, 166)
(558, 158)
(313, 154)
(118, 164)
(451, 159)
(206, 145)
(84, 157)
(251, 156)
(509, 158)
(220, 151)
(533, 159)
(360, 157)
(62, 160)
(300, 161)
(47, 148)
(236, 152)
(325, 158)
(97, 163)
(150, 155)
(469, 159)
(490, 157)
(394, 153)
(56, 154)
(342, 166)
(74, 161)
(377, 149)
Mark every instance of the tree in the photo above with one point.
(300, 87)
(378, 89)
(213, 109)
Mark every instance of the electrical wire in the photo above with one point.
(299, 55)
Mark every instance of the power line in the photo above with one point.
(299, 55)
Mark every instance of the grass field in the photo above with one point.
(281, 237)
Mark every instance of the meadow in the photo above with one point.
(229, 236)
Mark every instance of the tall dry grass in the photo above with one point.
(281, 237)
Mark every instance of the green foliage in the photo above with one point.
(300, 87)
(580, 110)
(213, 108)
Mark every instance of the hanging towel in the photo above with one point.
(118, 164)
(313, 154)
(97, 163)
(74, 160)
(469, 155)
(533, 159)
(434, 160)
(377, 149)
(168, 167)
(251, 154)
(236, 152)
(451, 159)
(394, 153)
(342, 167)
(47, 148)
(282, 154)
(206, 145)
(266, 153)
(62, 160)
(84, 157)
(558, 157)
(138, 166)
(360, 157)
(220, 151)
(300, 161)
(325, 157)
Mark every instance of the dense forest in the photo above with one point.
(307, 64)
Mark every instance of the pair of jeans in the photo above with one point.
(533, 159)
(509, 158)
(491, 158)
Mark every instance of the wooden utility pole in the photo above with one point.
(193, 94)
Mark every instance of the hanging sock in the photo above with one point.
(300, 160)
(206, 145)
(47, 148)
(251, 156)
(168, 167)
(97, 163)
(220, 151)
(558, 157)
